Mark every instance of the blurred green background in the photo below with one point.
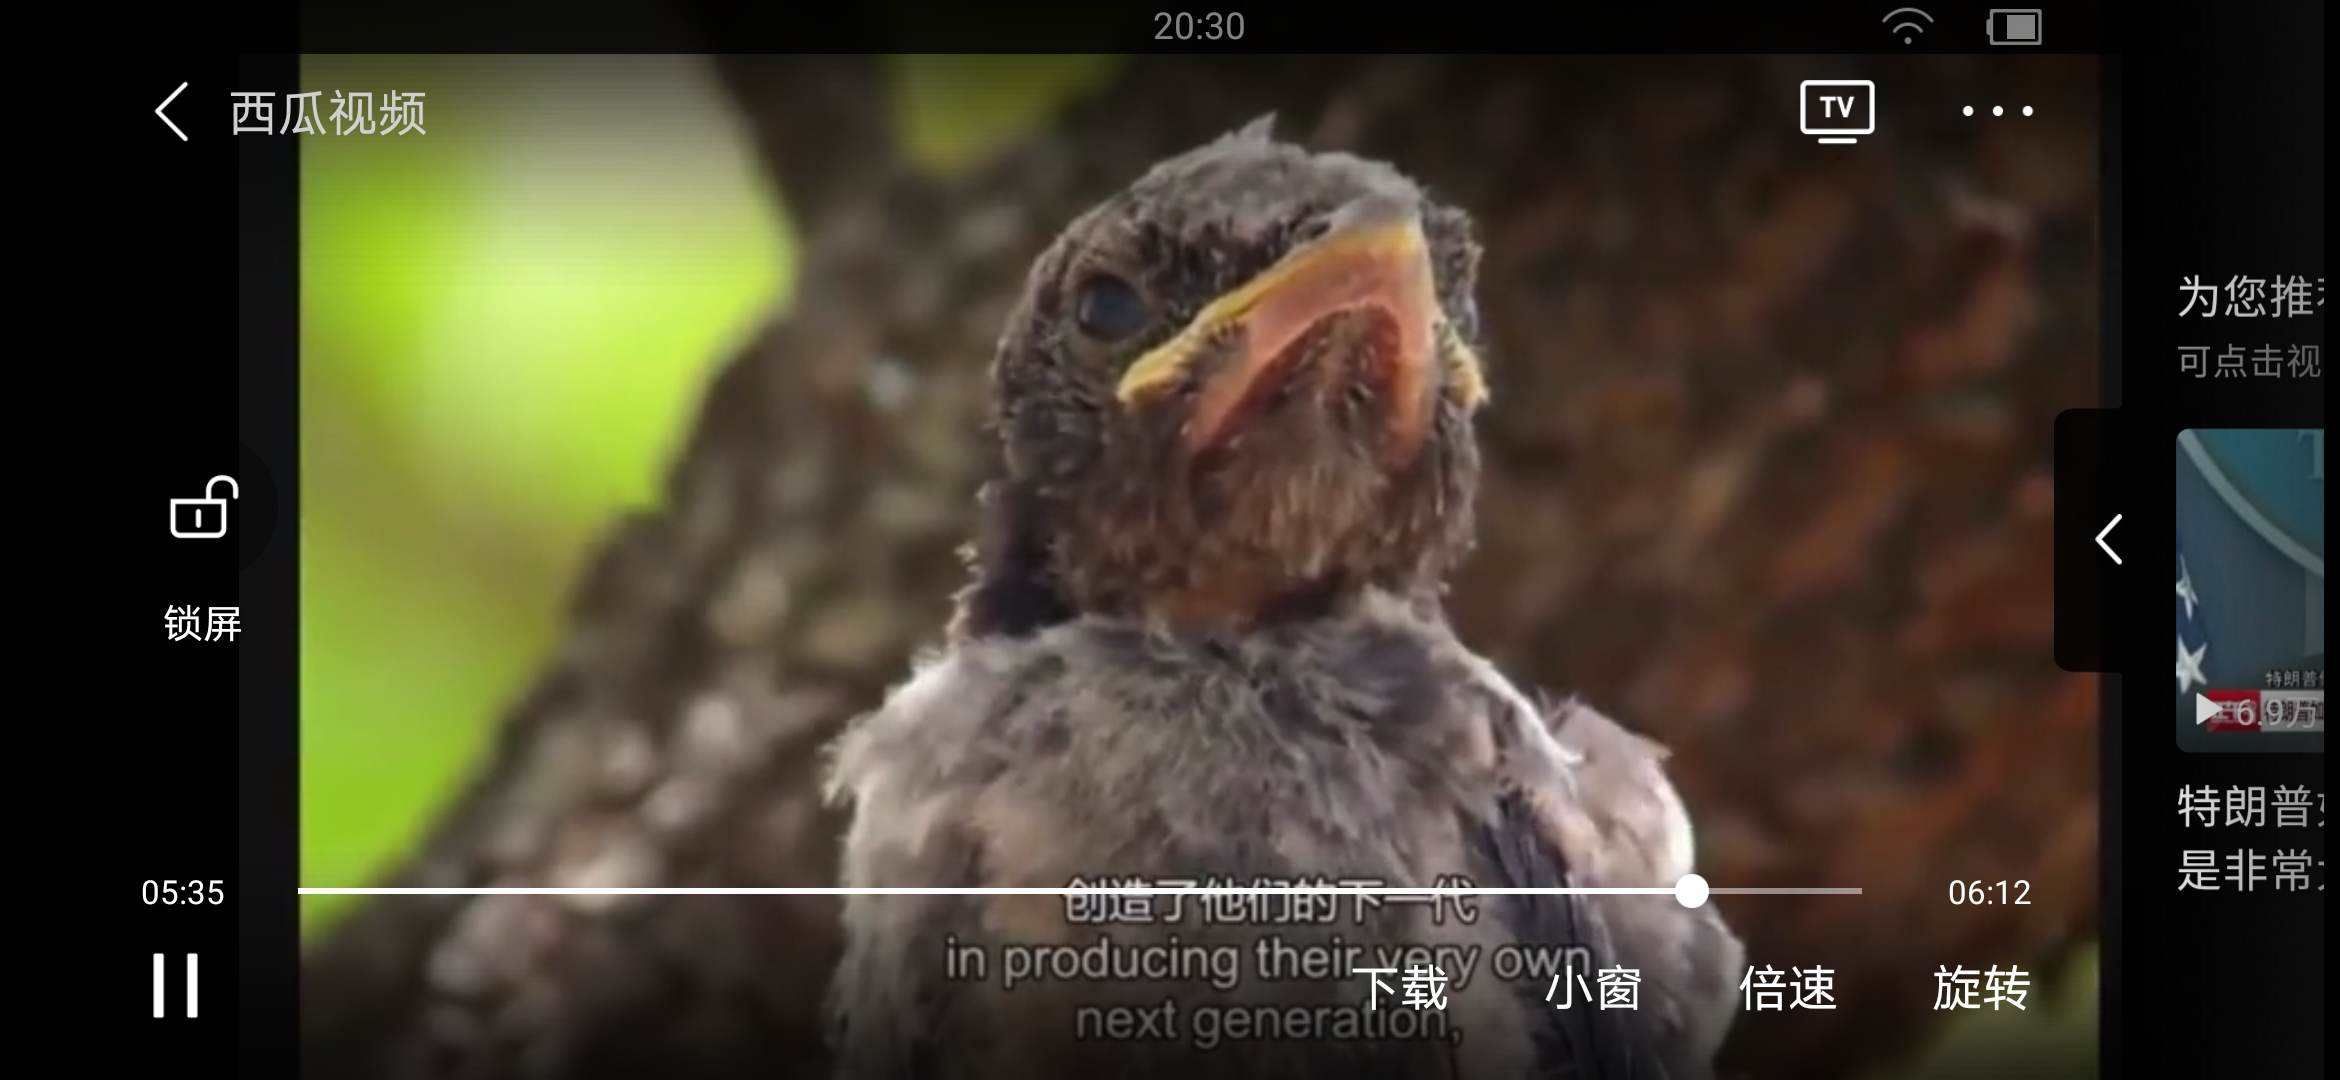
(503, 324)
(505, 327)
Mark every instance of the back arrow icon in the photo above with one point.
(166, 103)
(2107, 531)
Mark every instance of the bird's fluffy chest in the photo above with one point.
(1356, 745)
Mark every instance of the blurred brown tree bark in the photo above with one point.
(1768, 479)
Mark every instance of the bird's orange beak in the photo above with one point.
(1373, 259)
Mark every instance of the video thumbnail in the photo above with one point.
(2250, 589)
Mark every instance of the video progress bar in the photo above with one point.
(1691, 891)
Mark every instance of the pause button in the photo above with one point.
(161, 991)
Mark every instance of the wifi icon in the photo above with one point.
(1908, 29)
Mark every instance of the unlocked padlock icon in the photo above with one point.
(205, 518)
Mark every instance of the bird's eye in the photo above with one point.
(1109, 309)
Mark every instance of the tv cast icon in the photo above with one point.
(205, 518)
(1837, 111)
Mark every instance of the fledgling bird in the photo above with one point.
(1204, 642)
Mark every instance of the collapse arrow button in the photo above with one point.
(165, 118)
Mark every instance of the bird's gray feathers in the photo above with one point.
(1261, 128)
(1249, 184)
(1621, 824)
(1367, 744)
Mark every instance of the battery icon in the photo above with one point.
(2013, 26)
